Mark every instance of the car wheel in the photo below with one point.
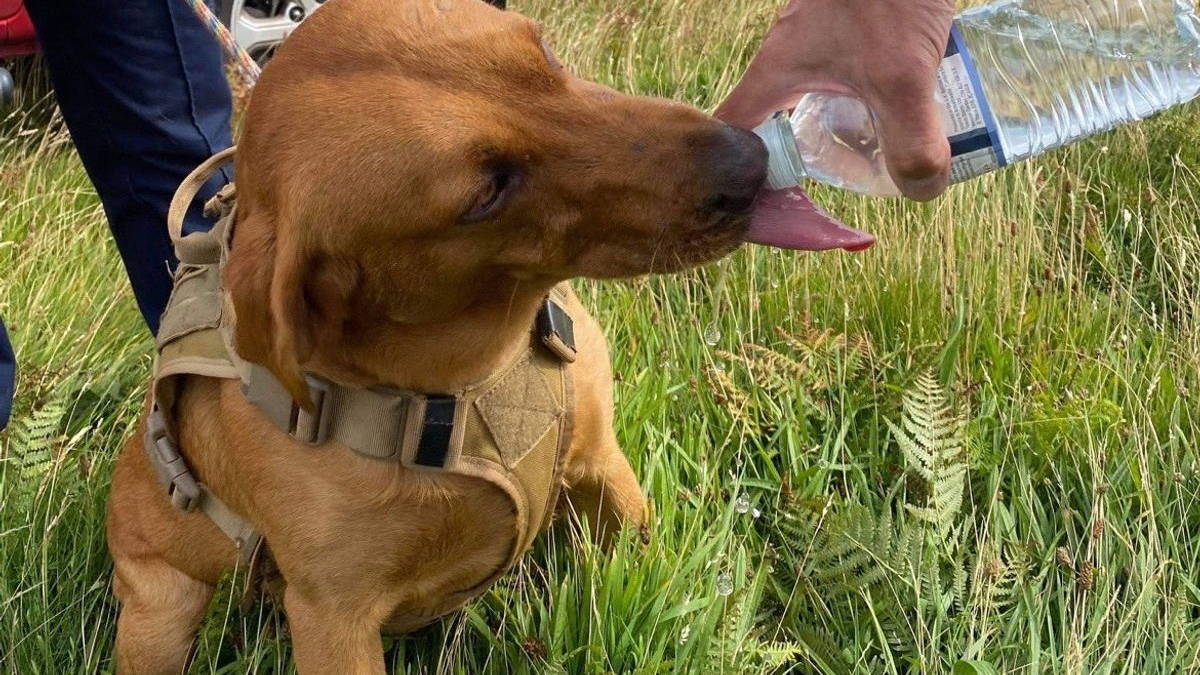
(28, 88)
(8, 89)
(258, 26)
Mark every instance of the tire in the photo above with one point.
(32, 103)
(8, 90)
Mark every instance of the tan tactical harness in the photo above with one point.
(511, 430)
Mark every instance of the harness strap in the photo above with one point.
(187, 494)
(381, 423)
(370, 421)
(188, 332)
(196, 248)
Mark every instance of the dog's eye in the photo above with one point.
(492, 198)
(550, 57)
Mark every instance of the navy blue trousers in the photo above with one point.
(143, 92)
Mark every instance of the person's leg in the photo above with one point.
(143, 91)
(8, 373)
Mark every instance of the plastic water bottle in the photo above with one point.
(1019, 77)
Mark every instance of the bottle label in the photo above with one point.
(975, 147)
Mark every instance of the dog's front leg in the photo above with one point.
(160, 610)
(602, 489)
(329, 638)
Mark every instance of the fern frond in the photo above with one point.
(822, 649)
(35, 436)
(778, 654)
(931, 437)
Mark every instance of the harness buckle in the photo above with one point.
(173, 472)
(313, 428)
(263, 390)
(556, 330)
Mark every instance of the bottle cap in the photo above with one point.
(785, 168)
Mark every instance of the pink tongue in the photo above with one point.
(789, 219)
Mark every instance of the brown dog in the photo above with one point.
(414, 177)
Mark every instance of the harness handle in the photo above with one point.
(184, 248)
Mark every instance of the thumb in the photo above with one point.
(913, 138)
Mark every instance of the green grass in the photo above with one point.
(1058, 303)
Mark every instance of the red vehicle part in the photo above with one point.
(16, 31)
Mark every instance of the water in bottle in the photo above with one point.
(1019, 77)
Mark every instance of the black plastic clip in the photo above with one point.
(557, 331)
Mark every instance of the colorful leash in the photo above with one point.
(247, 68)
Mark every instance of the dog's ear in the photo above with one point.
(291, 321)
(265, 280)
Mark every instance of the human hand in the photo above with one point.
(885, 52)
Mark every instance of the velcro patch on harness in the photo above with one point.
(518, 411)
(195, 304)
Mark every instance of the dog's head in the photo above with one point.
(402, 158)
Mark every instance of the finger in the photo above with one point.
(778, 76)
(762, 93)
(756, 97)
(913, 137)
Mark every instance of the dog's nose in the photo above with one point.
(739, 169)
